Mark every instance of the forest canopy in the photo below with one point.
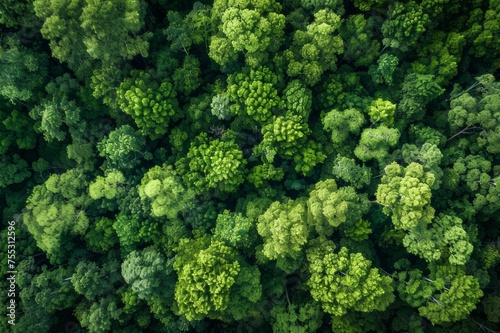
(250, 166)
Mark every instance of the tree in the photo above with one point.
(16, 127)
(429, 156)
(284, 229)
(187, 78)
(345, 169)
(298, 99)
(254, 93)
(404, 26)
(150, 103)
(162, 188)
(92, 280)
(55, 213)
(413, 288)
(17, 14)
(108, 187)
(315, 5)
(366, 5)
(376, 142)
(418, 91)
(23, 71)
(445, 237)
(474, 172)
(262, 173)
(14, 170)
(361, 47)
(87, 30)
(315, 49)
(308, 156)
(296, 318)
(405, 194)
(216, 164)
(195, 28)
(100, 316)
(477, 114)
(343, 123)
(235, 230)
(344, 90)
(382, 111)
(57, 115)
(330, 206)
(101, 236)
(220, 107)
(251, 28)
(286, 135)
(345, 281)
(441, 55)
(384, 71)
(112, 30)
(213, 282)
(123, 149)
(456, 298)
(484, 33)
(149, 274)
(51, 290)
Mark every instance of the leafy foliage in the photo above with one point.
(242, 166)
(346, 281)
(151, 104)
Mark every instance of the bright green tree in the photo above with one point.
(298, 99)
(253, 28)
(343, 123)
(235, 230)
(111, 185)
(457, 297)
(381, 111)
(429, 156)
(286, 135)
(445, 238)
(284, 228)
(344, 281)
(376, 142)
(55, 213)
(315, 49)
(163, 188)
(330, 206)
(149, 102)
(253, 92)
(406, 195)
(215, 164)
(214, 282)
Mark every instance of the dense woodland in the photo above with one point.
(251, 166)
